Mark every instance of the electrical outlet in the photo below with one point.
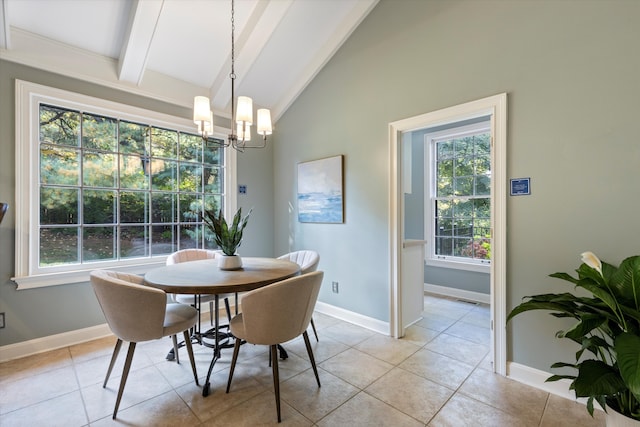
(1, 320)
(334, 287)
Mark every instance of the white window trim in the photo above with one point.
(27, 98)
(431, 258)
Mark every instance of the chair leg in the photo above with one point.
(187, 343)
(313, 325)
(236, 350)
(114, 356)
(174, 338)
(276, 377)
(125, 375)
(310, 353)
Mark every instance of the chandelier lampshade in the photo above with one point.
(241, 116)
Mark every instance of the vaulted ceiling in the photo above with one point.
(136, 45)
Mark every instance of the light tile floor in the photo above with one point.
(438, 375)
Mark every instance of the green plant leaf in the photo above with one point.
(596, 378)
(626, 280)
(627, 347)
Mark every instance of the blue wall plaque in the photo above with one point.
(521, 186)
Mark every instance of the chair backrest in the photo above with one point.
(281, 311)
(306, 259)
(186, 255)
(134, 312)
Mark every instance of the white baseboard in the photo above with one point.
(53, 342)
(457, 293)
(355, 318)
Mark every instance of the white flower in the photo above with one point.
(592, 261)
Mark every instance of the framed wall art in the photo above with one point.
(320, 191)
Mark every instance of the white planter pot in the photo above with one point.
(229, 262)
(616, 419)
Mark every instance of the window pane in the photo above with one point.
(444, 227)
(444, 208)
(164, 239)
(99, 207)
(444, 150)
(59, 205)
(98, 243)
(463, 228)
(189, 236)
(190, 177)
(213, 153)
(59, 165)
(132, 172)
(213, 182)
(164, 176)
(464, 166)
(483, 144)
(164, 143)
(444, 246)
(99, 132)
(444, 187)
(134, 241)
(99, 169)
(463, 147)
(134, 207)
(463, 186)
(190, 147)
(134, 138)
(164, 207)
(59, 126)
(482, 208)
(190, 207)
(460, 246)
(59, 246)
(483, 185)
(483, 165)
(463, 208)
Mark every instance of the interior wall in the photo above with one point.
(571, 75)
(36, 313)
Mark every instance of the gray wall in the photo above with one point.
(36, 313)
(571, 73)
(414, 223)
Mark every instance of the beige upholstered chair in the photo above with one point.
(186, 255)
(308, 262)
(275, 314)
(137, 313)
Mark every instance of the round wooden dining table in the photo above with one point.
(205, 278)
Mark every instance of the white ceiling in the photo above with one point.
(280, 45)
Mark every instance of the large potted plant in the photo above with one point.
(607, 329)
(227, 236)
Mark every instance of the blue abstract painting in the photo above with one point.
(320, 191)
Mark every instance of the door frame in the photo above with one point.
(496, 107)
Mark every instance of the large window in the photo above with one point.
(111, 186)
(459, 183)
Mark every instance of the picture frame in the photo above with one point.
(320, 191)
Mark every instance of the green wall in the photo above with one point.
(571, 71)
(35, 313)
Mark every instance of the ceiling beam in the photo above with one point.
(138, 38)
(262, 22)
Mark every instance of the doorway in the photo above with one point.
(494, 108)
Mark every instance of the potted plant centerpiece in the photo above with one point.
(607, 331)
(227, 237)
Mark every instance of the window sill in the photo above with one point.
(77, 276)
(458, 265)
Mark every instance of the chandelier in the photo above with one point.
(241, 115)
